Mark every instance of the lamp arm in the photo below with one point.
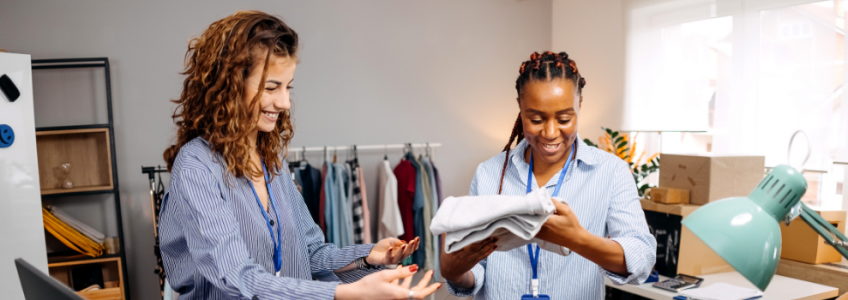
(833, 237)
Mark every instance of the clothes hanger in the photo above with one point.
(355, 156)
(335, 157)
(304, 156)
(325, 155)
(385, 152)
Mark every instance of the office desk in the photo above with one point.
(780, 287)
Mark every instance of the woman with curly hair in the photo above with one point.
(232, 224)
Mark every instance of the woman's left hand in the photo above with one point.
(391, 251)
(563, 228)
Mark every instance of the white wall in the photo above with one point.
(592, 32)
(371, 72)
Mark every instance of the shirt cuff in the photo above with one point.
(458, 291)
(635, 261)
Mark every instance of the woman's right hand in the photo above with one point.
(455, 266)
(386, 285)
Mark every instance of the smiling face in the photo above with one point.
(549, 112)
(275, 97)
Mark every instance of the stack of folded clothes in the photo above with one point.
(514, 220)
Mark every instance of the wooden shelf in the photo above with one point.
(74, 256)
(112, 272)
(88, 152)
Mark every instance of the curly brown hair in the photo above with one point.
(211, 105)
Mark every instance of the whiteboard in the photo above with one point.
(21, 228)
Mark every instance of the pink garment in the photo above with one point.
(366, 214)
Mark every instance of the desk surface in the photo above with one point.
(780, 287)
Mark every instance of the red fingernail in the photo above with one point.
(413, 268)
(440, 286)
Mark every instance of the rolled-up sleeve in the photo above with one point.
(479, 272)
(626, 225)
(217, 248)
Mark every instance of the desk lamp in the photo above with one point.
(744, 231)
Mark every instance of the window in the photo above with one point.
(744, 75)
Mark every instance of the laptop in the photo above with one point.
(40, 286)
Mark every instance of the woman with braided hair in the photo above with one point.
(602, 222)
(232, 224)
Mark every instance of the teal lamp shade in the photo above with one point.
(744, 231)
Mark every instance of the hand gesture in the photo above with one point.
(386, 284)
(391, 251)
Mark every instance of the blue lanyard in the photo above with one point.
(534, 260)
(278, 259)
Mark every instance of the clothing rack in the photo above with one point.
(365, 147)
(157, 191)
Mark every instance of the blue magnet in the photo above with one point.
(7, 136)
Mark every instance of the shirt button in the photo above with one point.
(272, 222)
(255, 297)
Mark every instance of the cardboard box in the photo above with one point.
(711, 177)
(679, 251)
(802, 243)
(669, 195)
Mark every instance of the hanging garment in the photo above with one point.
(355, 192)
(514, 220)
(405, 174)
(342, 205)
(322, 203)
(434, 207)
(438, 185)
(427, 215)
(311, 178)
(366, 212)
(391, 224)
(418, 257)
(331, 207)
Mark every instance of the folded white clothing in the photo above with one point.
(514, 220)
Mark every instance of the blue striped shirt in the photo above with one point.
(216, 245)
(601, 192)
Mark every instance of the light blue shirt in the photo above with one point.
(216, 245)
(601, 192)
(343, 206)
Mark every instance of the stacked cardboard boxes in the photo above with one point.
(686, 182)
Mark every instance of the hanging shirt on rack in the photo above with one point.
(356, 201)
(322, 206)
(434, 207)
(366, 213)
(342, 205)
(331, 207)
(419, 257)
(311, 178)
(391, 223)
(427, 215)
(405, 174)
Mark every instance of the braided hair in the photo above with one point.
(541, 67)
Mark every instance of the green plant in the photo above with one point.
(620, 145)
